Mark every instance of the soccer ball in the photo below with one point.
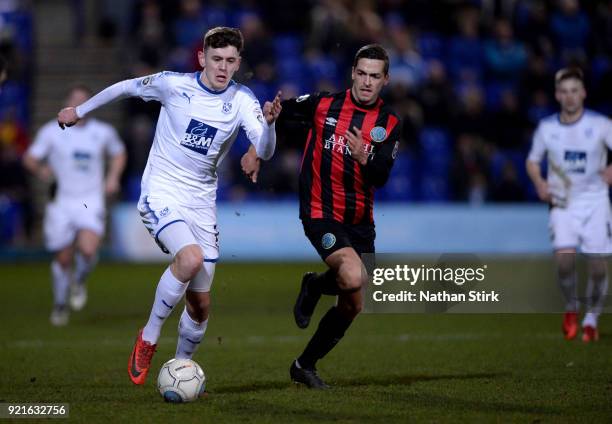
(181, 380)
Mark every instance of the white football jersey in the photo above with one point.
(196, 128)
(578, 150)
(77, 157)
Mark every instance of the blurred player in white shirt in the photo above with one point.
(575, 142)
(199, 120)
(74, 220)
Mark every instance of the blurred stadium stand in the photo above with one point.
(469, 78)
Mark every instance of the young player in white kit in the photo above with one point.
(200, 117)
(575, 142)
(74, 220)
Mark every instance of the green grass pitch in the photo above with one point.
(389, 368)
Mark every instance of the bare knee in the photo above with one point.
(198, 305)
(87, 243)
(64, 258)
(350, 272)
(187, 262)
(352, 276)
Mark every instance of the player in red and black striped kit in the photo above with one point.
(352, 138)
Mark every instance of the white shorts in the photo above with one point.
(586, 226)
(63, 220)
(174, 227)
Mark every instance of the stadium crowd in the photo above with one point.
(469, 78)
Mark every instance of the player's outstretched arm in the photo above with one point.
(126, 88)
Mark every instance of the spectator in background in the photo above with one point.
(151, 46)
(570, 28)
(405, 63)
(259, 60)
(465, 58)
(506, 125)
(330, 28)
(532, 27)
(468, 169)
(436, 96)
(187, 29)
(508, 188)
(470, 117)
(505, 56)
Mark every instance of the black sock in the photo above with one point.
(325, 283)
(331, 329)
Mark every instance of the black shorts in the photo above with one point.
(327, 236)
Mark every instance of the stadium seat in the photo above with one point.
(431, 45)
(401, 185)
(435, 150)
(494, 91)
(288, 45)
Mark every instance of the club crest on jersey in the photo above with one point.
(328, 240)
(198, 136)
(378, 134)
(227, 107)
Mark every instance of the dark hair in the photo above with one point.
(569, 73)
(373, 51)
(220, 37)
(2, 64)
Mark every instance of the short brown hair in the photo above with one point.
(373, 51)
(79, 86)
(220, 37)
(569, 73)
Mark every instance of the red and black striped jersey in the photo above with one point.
(332, 184)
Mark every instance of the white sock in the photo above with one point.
(169, 292)
(61, 283)
(83, 267)
(590, 320)
(596, 293)
(191, 334)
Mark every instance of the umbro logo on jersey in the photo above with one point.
(198, 136)
(331, 121)
(188, 97)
